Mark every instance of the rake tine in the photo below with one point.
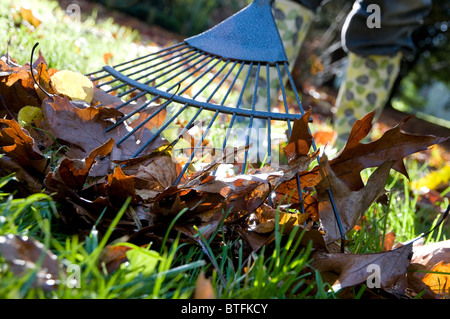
(182, 62)
(299, 186)
(126, 117)
(212, 79)
(188, 125)
(161, 129)
(151, 66)
(200, 76)
(159, 57)
(330, 195)
(174, 67)
(233, 82)
(269, 137)
(238, 104)
(134, 60)
(148, 55)
(178, 113)
(249, 128)
(163, 106)
(170, 100)
(199, 144)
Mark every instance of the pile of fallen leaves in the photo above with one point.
(53, 137)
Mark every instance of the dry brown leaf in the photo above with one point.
(73, 172)
(120, 187)
(429, 258)
(393, 145)
(113, 256)
(84, 130)
(16, 143)
(300, 141)
(355, 156)
(354, 269)
(431, 254)
(23, 253)
(389, 240)
(265, 216)
(16, 88)
(351, 205)
(154, 177)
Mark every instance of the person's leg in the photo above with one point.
(375, 54)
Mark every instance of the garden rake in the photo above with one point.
(212, 73)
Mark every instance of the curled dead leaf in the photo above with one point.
(23, 254)
(387, 270)
(351, 205)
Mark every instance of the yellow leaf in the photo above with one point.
(434, 179)
(28, 16)
(28, 115)
(74, 85)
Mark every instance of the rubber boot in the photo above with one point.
(367, 85)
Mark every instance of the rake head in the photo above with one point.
(236, 72)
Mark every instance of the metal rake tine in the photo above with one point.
(212, 79)
(223, 101)
(134, 130)
(140, 58)
(126, 117)
(269, 137)
(199, 144)
(178, 113)
(161, 129)
(190, 124)
(234, 80)
(199, 77)
(249, 128)
(181, 62)
(299, 186)
(173, 65)
(330, 194)
(169, 101)
(134, 60)
(238, 104)
(159, 57)
(151, 66)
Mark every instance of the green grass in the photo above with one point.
(148, 274)
(280, 270)
(401, 215)
(65, 42)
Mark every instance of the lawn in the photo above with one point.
(46, 254)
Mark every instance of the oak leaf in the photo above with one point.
(388, 269)
(350, 205)
(16, 143)
(393, 145)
